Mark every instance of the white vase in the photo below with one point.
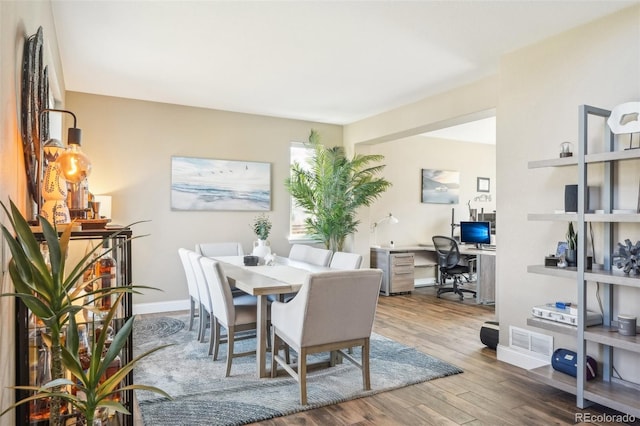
(261, 248)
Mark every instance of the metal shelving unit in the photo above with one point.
(606, 389)
(121, 244)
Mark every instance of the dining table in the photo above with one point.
(282, 276)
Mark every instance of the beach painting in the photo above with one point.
(440, 186)
(210, 184)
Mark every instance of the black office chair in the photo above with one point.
(448, 258)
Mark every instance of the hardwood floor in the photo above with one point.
(489, 392)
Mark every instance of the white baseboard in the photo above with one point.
(518, 358)
(157, 307)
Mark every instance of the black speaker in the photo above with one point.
(490, 334)
(571, 198)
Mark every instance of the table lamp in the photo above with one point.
(76, 167)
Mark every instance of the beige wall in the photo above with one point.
(541, 88)
(18, 20)
(537, 94)
(404, 160)
(131, 143)
(466, 103)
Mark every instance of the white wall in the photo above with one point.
(404, 160)
(541, 88)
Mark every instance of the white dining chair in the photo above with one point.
(344, 260)
(311, 255)
(206, 307)
(220, 249)
(192, 286)
(234, 317)
(207, 316)
(332, 311)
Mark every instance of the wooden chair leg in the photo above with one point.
(192, 312)
(275, 347)
(230, 338)
(216, 344)
(203, 324)
(214, 334)
(302, 375)
(366, 378)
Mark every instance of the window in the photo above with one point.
(298, 153)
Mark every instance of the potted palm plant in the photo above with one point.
(55, 296)
(332, 188)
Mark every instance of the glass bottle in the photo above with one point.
(84, 353)
(106, 274)
(39, 408)
(112, 369)
(114, 365)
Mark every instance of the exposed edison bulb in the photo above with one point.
(75, 164)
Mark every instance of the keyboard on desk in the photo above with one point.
(488, 247)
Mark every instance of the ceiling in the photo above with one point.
(326, 61)
(478, 131)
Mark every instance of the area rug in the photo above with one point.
(203, 396)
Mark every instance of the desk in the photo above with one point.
(285, 277)
(397, 264)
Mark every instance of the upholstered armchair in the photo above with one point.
(209, 297)
(192, 286)
(225, 248)
(226, 311)
(344, 260)
(220, 249)
(323, 317)
(311, 255)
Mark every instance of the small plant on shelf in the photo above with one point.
(572, 246)
(262, 226)
(572, 237)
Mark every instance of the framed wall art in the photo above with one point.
(484, 184)
(440, 186)
(210, 184)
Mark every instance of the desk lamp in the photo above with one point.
(389, 218)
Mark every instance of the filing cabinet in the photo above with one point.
(398, 268)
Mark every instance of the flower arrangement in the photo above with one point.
(262, 226)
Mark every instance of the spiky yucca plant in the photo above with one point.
(332, 188)
(49, 292)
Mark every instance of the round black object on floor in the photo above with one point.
(490, 334)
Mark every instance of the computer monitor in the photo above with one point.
(475, 233)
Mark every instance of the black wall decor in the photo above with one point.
(35, 90)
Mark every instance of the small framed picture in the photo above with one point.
(484, 184)
(562, 248)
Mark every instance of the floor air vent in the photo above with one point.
(539, 345)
